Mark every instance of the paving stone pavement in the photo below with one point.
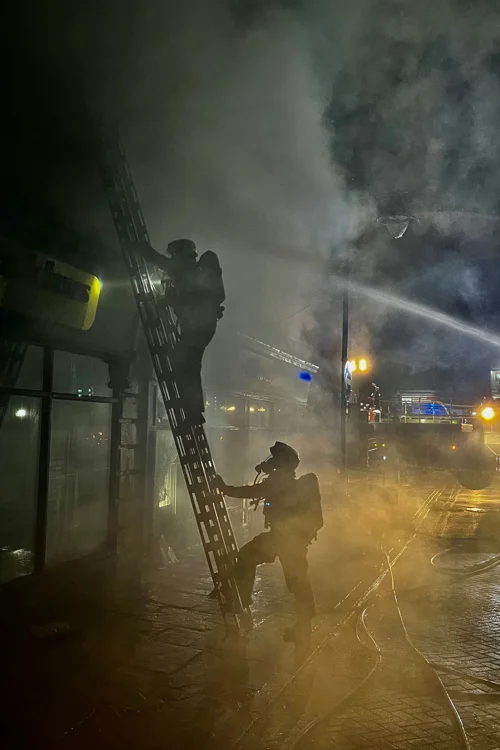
(400, 706)
(454, 623)
(151, 668)
(156, 672)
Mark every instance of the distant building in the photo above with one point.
(495, 383)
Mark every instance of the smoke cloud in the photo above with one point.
(267, 131)
(413, 109)
(222, 118)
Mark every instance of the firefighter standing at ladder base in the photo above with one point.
(195, 292)
(292, 511)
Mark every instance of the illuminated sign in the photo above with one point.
(36, 286)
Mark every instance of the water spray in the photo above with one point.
(420, 310)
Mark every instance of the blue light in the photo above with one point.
(430, 409)
(304, 375)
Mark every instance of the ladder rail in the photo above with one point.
(146, 295)
(209, 507)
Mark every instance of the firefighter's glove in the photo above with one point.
(218, 483)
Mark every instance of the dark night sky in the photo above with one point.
(257, 126)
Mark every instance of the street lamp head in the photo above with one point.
(359, 365)
(396, 225)
(488, 413)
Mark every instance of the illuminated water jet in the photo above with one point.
(420, 310)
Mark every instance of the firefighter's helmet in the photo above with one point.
(282, 457)
(183, 247)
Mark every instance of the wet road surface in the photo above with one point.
(152, 669)
(452, 621)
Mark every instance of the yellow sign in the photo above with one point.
(40, 287)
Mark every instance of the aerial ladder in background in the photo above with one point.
(161, 332)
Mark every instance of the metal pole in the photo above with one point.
(343, 399)
(44, 461)
(118, 382)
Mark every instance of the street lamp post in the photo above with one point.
(396, 226)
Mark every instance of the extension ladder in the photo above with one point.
(161, 333)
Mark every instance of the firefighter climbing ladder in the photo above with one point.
(11, 361)
(160, 330)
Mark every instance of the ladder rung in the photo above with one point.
(213, 546)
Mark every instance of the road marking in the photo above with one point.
(442, 521)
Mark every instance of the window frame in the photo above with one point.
(47, 396)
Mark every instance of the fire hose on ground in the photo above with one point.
(315, 726)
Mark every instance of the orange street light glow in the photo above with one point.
(488, 413)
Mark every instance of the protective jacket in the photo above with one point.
(290, 505)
